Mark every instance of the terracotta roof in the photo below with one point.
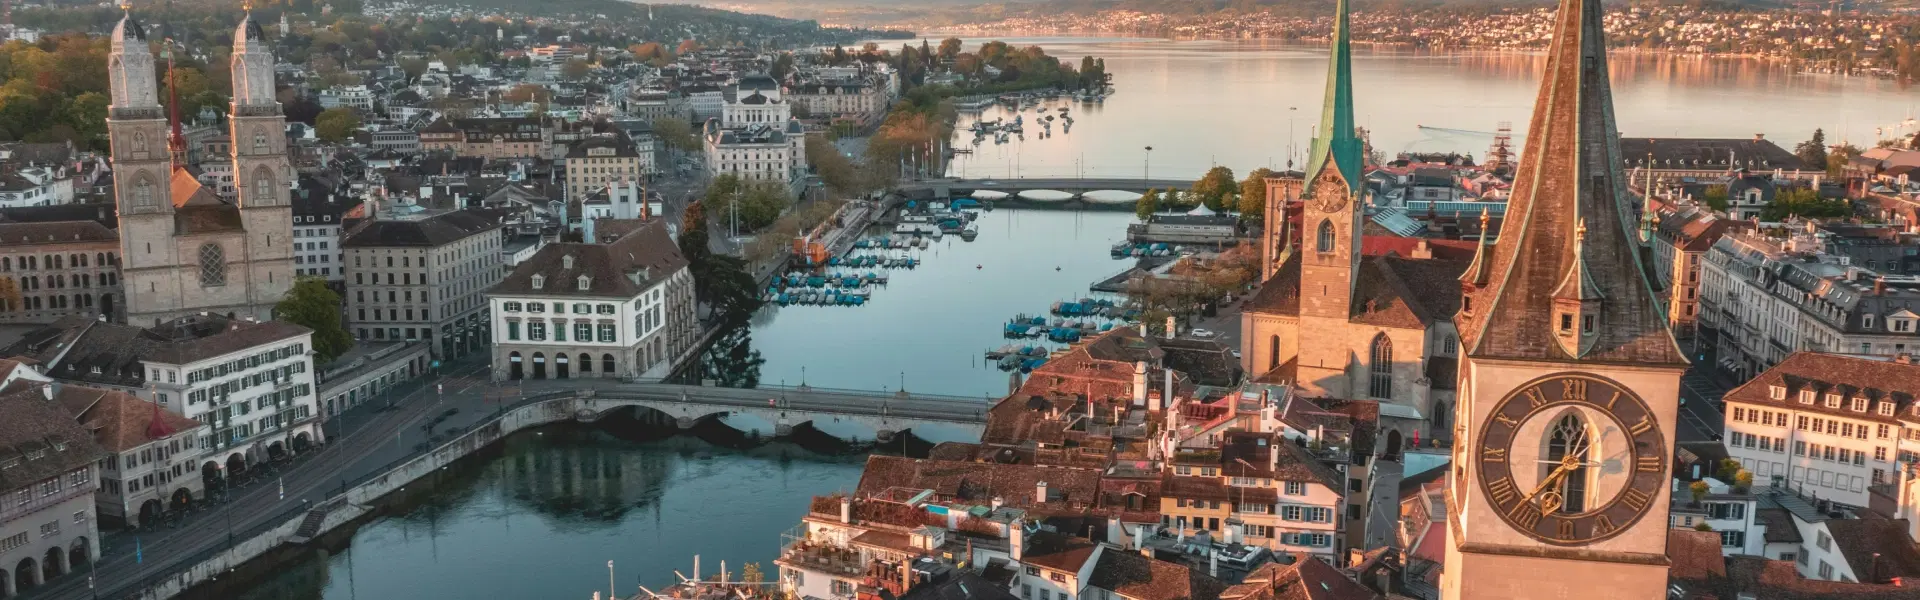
(39, 439)
(1058, 551)
(121, 421)
(185, 190)
(1294, 464)
(979, 483)
(963, 585)
(1140, 578)
(647, 253)
(1875, 380)
(1555, 192)
(1694, 554)
(1765, 579)
(1305, 579)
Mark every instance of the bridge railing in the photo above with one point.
(794, 389)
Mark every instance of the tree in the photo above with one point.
(747, 206)
(732, 361)
(676, 133)
(1813, 151)
(414, 67)
(1727, 469)
(1743, 479)
(575, 69)
(1149, 202)
(1214, 187)
(336, 124)
(1253, 196)
(311, 304)
(1699, 491)
(1804, 202)
(527, 93)
(782, 66)
(751, 574)
(1837, 160)
(950, 48)
(687, 47)
(1716, 197)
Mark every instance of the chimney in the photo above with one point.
(1421, 250)
(1213, 563)
(1139, 383)
(1880, 285)
(1170, 327)
(1040, 493)
(1166, 396)
(846, 510)
(1115, 533)
(1759, 137)
(1017, 540)
(998, 502)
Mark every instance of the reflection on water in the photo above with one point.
(1253, 103)
(542, 518)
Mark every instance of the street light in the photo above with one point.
(1292, 111)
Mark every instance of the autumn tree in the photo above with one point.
(1213, 188)
(1253, 195)
(1149, 202)
(336, 124)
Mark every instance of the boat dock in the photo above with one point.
(1119, 282)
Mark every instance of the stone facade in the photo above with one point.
(422, 279)
(622, 308)
(56, 269)
(185, 250)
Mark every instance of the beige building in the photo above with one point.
(185, 250)
(1259, 489)
(422, 278)
(56, 269)
(1570, 378)
(858, 102)
(1764, 297)
(1682, 234)
(48, 526)
(1826, 425)
(491, 138)
(153, 456)
(603, 160)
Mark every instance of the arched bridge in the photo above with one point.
(1097, 190)
(886, 413)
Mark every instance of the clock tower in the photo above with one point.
(1570, 379)
(1333, 203)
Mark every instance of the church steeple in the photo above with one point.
(1570, 175)
(1335, 140)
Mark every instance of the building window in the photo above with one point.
(1324, 241)
(143, 193)
(213, 265)
(1380, 369)
(1296, 488)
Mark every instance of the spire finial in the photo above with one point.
(1484, 218)
(246, 5)
(1580, 232)
(126, 5)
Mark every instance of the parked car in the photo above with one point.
(1201, 333)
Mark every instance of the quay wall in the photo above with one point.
(344, 508)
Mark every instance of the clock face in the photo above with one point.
(1329, 194)
(1571, 459)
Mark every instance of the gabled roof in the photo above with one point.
(634, 262)
(1140, 578)
(41, 436)
(120, 421)
(437, 230)
(1877, 381)
(1305, 578)
(1876, 549)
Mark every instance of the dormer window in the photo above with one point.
(1860, 405)
(1866, 321)
(1776, 392)
(1886, 409)
(566, 262)
(1806, 396)
(1833, 401)
(538, 281)
(586, 283)
(1566, 322)
(1586, 324)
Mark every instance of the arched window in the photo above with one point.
(1568, 448)
(259, 141)
(213, 265)
(1324, 241)
(606, 364)
(143, 193)
(1451, 346)
(586, 363)
(1380, 368)
(263, 188)
(1273, 352)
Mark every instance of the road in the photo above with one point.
(372, 437)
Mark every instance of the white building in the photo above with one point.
(622, 307)
(357, 97)
(153, 464)
(36, 186)
(317, 215)
(1825, 424)
(1763, 298)
(755, 136)
(47, 519)
(251, 383)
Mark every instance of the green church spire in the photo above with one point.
(1335, 140)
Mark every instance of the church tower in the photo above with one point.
(1333, 203)
(1570, 380)
(142, 166)
(262, 177)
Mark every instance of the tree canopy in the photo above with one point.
(310, 303)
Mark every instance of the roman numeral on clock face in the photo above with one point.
(1502, 491)
(1635, 499)
(1645, 425)
(1524, 514)
(1498, 455)
(1573, 389)
(1647, 464)
(1603, 525)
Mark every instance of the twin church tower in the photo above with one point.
(185, 250)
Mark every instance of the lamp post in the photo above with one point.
(1292, 111)
(1146, 165)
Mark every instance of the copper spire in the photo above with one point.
(1570, 173)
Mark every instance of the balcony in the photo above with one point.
(823, 558)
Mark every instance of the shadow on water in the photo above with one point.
(576, 480)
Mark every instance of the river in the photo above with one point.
(540, 517)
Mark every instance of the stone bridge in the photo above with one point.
(1075, 188)
(784, 407)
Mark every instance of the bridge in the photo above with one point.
(886, 414)
(1076, 188)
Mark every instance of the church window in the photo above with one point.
(1450, 346)
(143, 193)
(1568, 444)
(213, 265)
(1380, 369)
(263, 189)
(1324, 242)
(1273, 352)
(259, 141)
